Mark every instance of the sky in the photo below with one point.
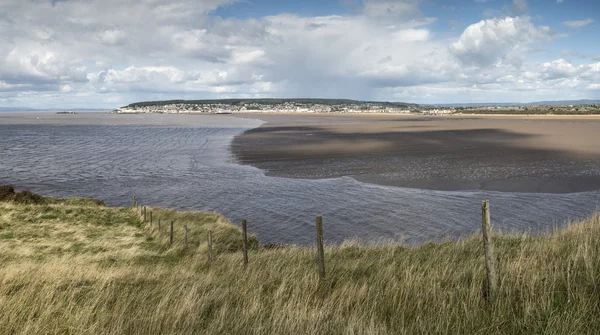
(109, 53)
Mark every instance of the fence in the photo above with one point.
(490, 280)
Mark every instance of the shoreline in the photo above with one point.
(365, 147)
(324, 114)
(178, 167)
(359, 114)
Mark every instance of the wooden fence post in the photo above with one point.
(491, 284)
(151, 220)
(320, 251)
(245, 242)
(159, 225)
(210, 253)
(144, 214)
(185, 236)
(133, 202)
(171, 238)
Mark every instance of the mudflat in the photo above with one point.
(549, 154)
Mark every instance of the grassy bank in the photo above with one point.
(78, 267)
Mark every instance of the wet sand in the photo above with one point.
(548, 154)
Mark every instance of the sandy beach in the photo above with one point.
(549, 154)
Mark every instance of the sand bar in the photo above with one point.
(550, 154)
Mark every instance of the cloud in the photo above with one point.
(560, 1)
(66, 88)
(343, 57)
(111, 37)
(105, 53)
(312, 26)
(558, 69)
(33, 64)
(510, 9)
(578, 23)
(144, 74)
(554, 80)
(499, 40)
(391, 8)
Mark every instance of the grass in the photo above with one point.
(78, 267)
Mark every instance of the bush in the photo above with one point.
(8, 194)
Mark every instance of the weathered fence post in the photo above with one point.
(159, 225)
(151, 219)
(210, 253)
(171, 238)
(491, 284)
(144, 214)
(133, 202)
(245, 242)
(185, 236)
(320, 251)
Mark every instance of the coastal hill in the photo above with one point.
(75, 266)
(270, 105)
(308, 105)
(273, 102)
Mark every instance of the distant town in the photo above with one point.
(232, 106)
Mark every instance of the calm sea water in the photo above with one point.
(184, 162)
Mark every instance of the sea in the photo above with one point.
(184, 162)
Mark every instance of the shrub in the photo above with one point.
(8, 194)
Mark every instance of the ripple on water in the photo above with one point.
(190, 168)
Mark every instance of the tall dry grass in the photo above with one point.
(69, 268)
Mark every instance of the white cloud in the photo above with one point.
(31, 63)
(111, 37)
(256, 57)
(560, 1)
(110, 52)
(145, 74)
(578, 23)
(558, 69)
(494, 40)
(342, 57)
(66, 88)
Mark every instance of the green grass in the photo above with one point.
(77, 267)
